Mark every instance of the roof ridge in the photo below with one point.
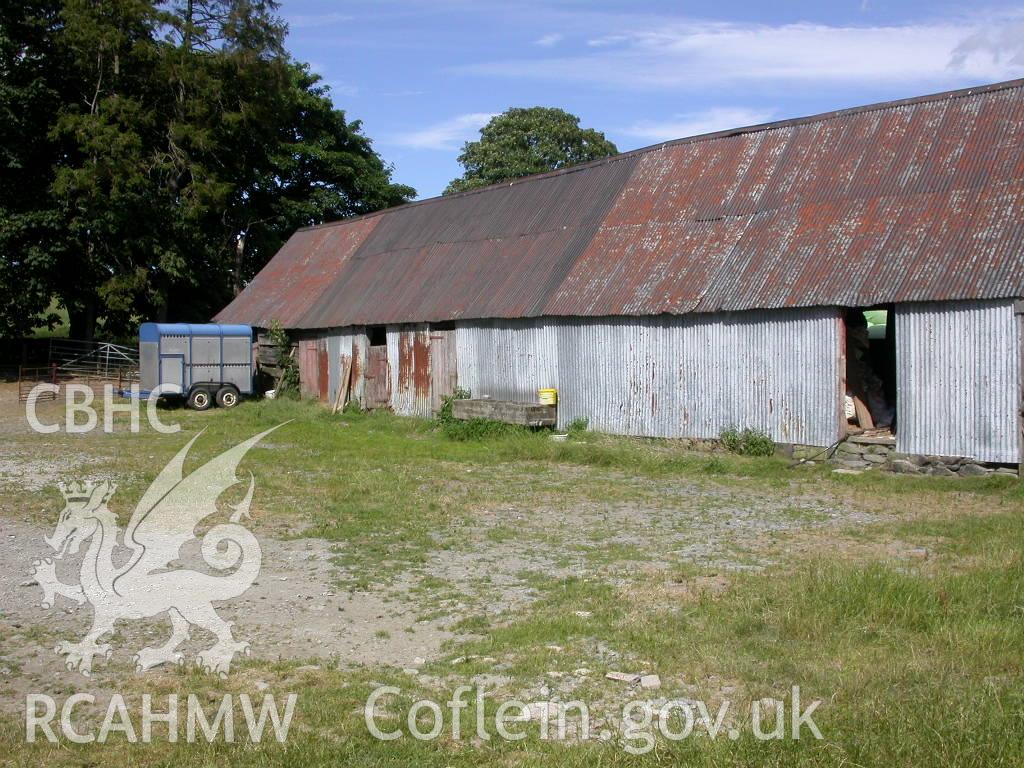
(725, 133)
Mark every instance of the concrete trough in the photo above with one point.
(523, 414)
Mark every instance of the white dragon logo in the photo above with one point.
(146, 584)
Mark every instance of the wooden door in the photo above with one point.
(323, 371)
(309, 374)
(443, 368)
(377, 378)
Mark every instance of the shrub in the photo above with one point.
(445, 414)
(578, 426)
(730, 439)
(746, 442)
(288, 381)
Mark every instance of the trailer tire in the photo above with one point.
(199, 399)
(227, 397)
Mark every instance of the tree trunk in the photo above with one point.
(82, 319)
(236, 282)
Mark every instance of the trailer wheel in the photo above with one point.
(199, 399)
(227, 397)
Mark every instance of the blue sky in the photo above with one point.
(424, 76)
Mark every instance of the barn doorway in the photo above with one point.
(871, 386)
(377, 387)
(443, 363)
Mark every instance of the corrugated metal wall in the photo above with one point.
(689, 376)
(333, 367)
(507, 359)
(343, 343)
(958, 373)
(409, 362)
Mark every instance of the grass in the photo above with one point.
(916, 668)
(918, 661)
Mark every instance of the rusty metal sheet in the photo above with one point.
(305, 268)
(409, 358)
(886, 204)
(908, 201)
(493, 253)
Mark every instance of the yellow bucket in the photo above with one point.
(548, 396)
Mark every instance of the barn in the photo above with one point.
(727, 279)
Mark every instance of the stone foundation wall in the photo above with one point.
(858, 454)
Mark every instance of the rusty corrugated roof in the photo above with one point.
(305, 268)
(914, 200)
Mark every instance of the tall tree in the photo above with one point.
(224, 70)
(163, 151)
(523, 141)
(318, 166)
(106, 130)
(30, 94)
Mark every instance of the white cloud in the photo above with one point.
(447, 134)
(696, 123)
(699, 55)
(998, 43)
(550, 40)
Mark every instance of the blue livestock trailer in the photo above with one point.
(203, 363)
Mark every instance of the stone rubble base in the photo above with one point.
(864, 453)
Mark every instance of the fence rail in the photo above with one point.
(92, 358)
(29, 377)
(85, 362)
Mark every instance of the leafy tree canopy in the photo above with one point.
(157, 154)
(523, 141)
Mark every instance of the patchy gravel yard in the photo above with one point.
(527, 567)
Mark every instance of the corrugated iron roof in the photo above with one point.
(914, 200)
(306, 267)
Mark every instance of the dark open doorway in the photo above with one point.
(871, 387)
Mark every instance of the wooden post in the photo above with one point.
(863, 414)
(342, 396)
(841, 403)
